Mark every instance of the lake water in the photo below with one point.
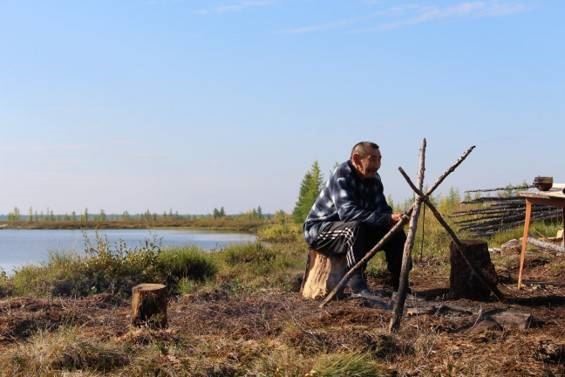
(29, 246)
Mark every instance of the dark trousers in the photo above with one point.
(355, 239)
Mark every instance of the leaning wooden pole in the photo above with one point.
(408, 245)
(459, 245)
(450, 170)
(366, 258)
(393, 230)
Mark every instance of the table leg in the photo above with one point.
(563, 240)
(525, 240)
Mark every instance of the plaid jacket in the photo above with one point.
(347, 197)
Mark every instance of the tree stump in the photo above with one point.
(322, 274)
(463, 282)
(149, 305)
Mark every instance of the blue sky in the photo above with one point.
(191, 105)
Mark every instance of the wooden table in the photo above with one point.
(548, 198)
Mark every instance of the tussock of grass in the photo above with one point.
(345, 365)
(151, 363)
(47, 354)
(280, 362)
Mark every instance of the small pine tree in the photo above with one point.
(309, 191)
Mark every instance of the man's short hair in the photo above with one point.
(362, 148)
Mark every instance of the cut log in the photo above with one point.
(463, 281)
(149, 305)
(546, 245)
(322, 274)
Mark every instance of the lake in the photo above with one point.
(30, 246)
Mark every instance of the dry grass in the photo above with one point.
(47, 354)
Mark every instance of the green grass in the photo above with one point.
(258, 265)
(537, 229)
(345, 365)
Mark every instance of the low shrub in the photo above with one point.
(113, 270)
(188, 264)
(286, 232)
(6, 286)
(253, 253)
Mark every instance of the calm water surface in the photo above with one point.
(25, 246)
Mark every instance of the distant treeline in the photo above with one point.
(217, 219)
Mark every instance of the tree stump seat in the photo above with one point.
(322, 274)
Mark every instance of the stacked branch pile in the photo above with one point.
(491, 214)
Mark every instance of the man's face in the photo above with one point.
(368, 166)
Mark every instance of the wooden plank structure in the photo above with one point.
(491, 214)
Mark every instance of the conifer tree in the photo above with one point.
(309, 191)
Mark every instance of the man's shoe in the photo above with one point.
(357, 283)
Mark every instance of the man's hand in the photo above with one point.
(395, 217)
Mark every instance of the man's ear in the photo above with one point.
(356, 159)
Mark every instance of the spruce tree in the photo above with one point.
(309, 191)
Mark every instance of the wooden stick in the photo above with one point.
(455, 239)
(406, 255)
(450, 170)
(509, 188)
(393, 230)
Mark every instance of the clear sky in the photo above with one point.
(191, 105)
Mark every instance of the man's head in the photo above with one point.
(366, 158)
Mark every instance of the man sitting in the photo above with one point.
(351, 215)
